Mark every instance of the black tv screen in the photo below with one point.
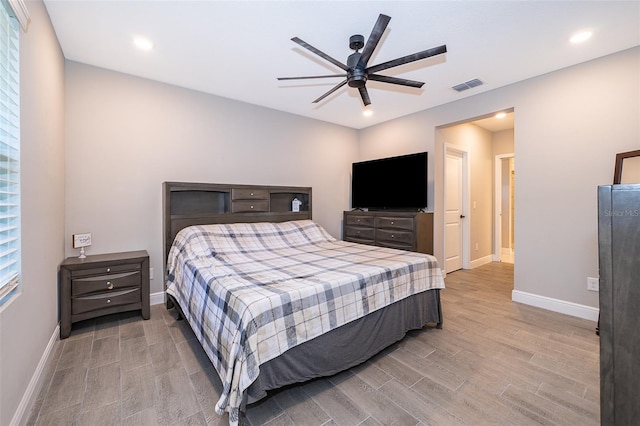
(390, 183)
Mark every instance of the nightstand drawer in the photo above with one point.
(359, 233)
(390, 222)
(104, 300)
(249, 194)
(105, 283)
(356, 220)
(249, 206)
(104, 270)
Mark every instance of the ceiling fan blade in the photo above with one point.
(396, 80)
(330, 91)
(364, 95)
(407, 59)
(320, 53)
(374, 38)
(312, 76)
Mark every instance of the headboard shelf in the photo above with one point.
(193, 203)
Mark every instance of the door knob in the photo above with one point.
(462, 216)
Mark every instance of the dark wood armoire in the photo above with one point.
(619, 257)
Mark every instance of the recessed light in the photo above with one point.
(501, 115)
(580, 37)
(143, 43)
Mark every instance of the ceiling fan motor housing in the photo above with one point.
(357, 74)
(356, 42)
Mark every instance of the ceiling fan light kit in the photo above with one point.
(357, 71)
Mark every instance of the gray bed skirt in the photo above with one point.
(348, 345)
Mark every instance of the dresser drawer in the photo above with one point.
(249, 194)
(105, 300)
(104, 283)
(390, 222)
(105, 270)
(397, 237)
(250, 206)
(356, 220)
(397, 245)
(359, 233)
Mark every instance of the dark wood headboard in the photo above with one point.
(187, 203)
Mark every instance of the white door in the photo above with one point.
(453, 211)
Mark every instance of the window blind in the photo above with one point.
(9, 153)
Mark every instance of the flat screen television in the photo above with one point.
(395, 183)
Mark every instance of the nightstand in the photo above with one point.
(103, 284)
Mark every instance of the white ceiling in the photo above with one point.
(496, 124)
(237, 49)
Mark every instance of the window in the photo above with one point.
(9, 153)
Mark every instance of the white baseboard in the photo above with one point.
(482, 261)
(156, 298)
(35, 384)
(556, 305)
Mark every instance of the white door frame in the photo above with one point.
(461, 151)
(497, 206)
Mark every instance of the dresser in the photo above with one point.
(412, 231)
(103, 284)
(619, 261)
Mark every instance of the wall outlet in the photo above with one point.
(477, 246)
(150, 273)
(593, 284)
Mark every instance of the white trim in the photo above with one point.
(556, 305)
(35, 384)
(482, 261)
(21, 12)
(156, 298)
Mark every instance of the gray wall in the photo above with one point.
(126, 135)
(28, 322)
(569, 126)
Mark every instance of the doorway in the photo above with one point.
(470, 241)
(504, 208)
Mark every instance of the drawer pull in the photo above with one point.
(251, 206)
(393, 236)
(109, 285)
(252, 193)
(108, 300)
(108, 269)
(392, 222)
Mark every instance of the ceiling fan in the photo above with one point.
(357, 71)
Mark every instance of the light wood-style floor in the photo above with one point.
(495, 363)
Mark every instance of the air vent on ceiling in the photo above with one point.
(467, 85)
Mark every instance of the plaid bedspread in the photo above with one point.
(252, 291)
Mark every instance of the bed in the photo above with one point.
(274, 299)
